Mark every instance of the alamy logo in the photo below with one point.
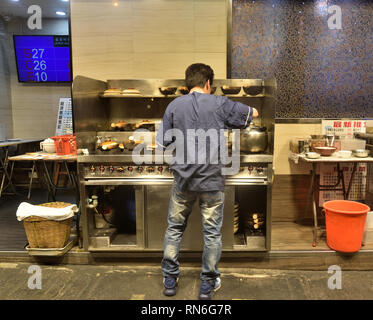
(34, 281)
(335, 20)
(197, 147)
(335, 281)
(34, 21)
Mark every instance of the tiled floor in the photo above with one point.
(143, 282)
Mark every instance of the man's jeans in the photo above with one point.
(181, 203)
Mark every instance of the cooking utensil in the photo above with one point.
(360, 153)
(253, 90)
(312, 155)
(230, 90)
(325, 151)
(330, 140)
(253, 139)
(168, 90)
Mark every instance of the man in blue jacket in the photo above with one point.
(198, 111)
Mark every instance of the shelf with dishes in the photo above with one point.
(248, 91)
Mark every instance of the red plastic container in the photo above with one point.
(345, 221)
(65, 144)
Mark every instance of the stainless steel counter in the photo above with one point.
(127, 158)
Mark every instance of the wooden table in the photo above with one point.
(341, 180)
(44, 159)
(4, 163)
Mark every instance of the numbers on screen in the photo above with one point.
(37, 53)
(40, 65)
(42, 76)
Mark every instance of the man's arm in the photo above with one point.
(165, 125)
(237, 115)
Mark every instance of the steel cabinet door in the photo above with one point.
(156, 210)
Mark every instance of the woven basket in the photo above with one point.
(44, 233)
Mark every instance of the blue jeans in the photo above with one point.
(181, 203)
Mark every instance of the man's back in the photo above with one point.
(199, 118)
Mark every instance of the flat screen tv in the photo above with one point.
(43, 58)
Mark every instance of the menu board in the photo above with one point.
(43, 58)
(343, 127)
(64, 118)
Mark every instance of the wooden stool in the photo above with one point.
(57, 173)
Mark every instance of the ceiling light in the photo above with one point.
(65, 0)
(60, 13)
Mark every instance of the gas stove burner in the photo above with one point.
(129, 170)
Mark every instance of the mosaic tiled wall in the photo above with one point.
(320, 72)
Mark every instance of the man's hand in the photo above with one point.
(255, 113)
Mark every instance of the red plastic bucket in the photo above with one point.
(345, 221)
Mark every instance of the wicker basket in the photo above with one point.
(44, 233)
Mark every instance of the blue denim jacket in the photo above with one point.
(200, 111)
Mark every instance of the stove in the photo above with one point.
(254, 169)
(112, 183)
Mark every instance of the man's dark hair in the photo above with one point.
(197, 74)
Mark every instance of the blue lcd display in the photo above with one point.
(43, 58)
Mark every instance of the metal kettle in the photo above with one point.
(253, 139)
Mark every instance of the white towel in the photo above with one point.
(26, 210)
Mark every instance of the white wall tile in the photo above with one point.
(147, 38)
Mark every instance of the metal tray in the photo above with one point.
(50, 252)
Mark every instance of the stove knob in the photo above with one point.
(140, 169)
(102, 169)
(250, 168)
(93, 169)
(150, 169)
(120, 169)
(160, 168)
(130, 169)
(111, 169)
(259, 170)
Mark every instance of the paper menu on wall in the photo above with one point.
(64, 117)
(343, 127)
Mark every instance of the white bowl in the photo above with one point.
(344, 153)
(312, 155)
